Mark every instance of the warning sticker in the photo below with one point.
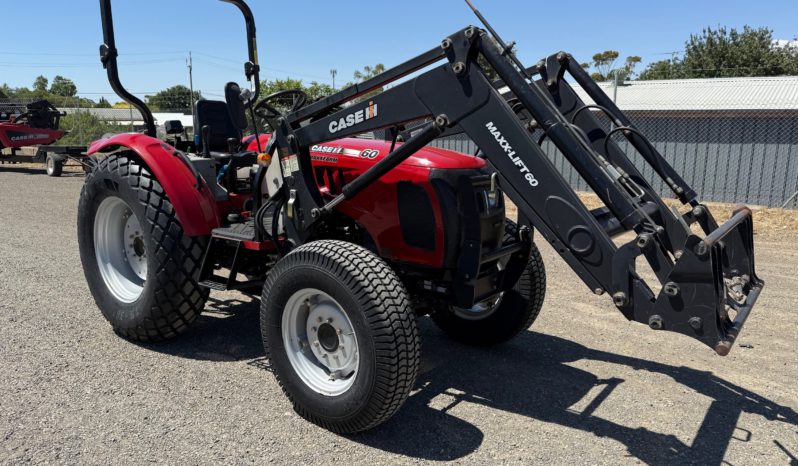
(285, 164)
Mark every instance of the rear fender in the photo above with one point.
(191, 198)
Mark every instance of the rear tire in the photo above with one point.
(516, 312)
(54, 165)
(140, 267)
(359, 294)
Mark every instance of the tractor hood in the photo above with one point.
(349, 151)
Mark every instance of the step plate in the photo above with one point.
(237, 232)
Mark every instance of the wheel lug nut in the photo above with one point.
(329, 321)
(314, 329)
(316, 343)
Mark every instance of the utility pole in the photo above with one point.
(190, 65)
(333, 73)
(670, 62)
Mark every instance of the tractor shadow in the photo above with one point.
(227, 330)
(530, 376)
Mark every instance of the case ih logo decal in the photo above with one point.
(327, 149)
(508, 149)
(354, 118)
(26, 136)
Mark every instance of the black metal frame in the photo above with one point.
(701, 278)
(109, 54)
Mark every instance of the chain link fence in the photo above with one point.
(733, 140)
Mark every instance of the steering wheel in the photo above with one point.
(275, 105)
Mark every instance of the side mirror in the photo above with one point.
(235, 105)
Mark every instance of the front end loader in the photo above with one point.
(348, 241)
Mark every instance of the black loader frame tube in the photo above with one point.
(108, 55)
(708, 286)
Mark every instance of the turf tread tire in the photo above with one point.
(383, 301)
(171, 299)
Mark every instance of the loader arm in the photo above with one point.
(708, 284)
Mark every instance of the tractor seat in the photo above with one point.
(214, 113)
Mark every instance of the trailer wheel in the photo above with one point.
(54, 165)
(139, 266)
(515, 311)
(341, 336)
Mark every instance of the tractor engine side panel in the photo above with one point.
(401, 211)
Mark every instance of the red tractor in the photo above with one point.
(349, 241)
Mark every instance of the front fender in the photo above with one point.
(194, 206)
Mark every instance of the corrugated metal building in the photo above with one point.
(733, 139)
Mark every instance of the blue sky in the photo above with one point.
(305, 39)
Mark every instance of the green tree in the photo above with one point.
(663, 69)
(174, 99)
(268, 88)
(40, 84)
(317, 90)
(604, 62)
(83, 127)
(369, 72)
(726, 52)
(604, 66)
(103, 103)
(722, 53)
(627, 70)
(63, 86)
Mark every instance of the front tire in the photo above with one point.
(340, 334)
(140, 267)
(515, 312)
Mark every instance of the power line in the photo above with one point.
(51, 54)
(276, 70)
(85, 64)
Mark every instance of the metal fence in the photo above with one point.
(720, 142)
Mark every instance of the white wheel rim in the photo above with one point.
(320, 342)
(50, 165)
(120, 249)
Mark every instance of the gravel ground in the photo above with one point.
(584, 387)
